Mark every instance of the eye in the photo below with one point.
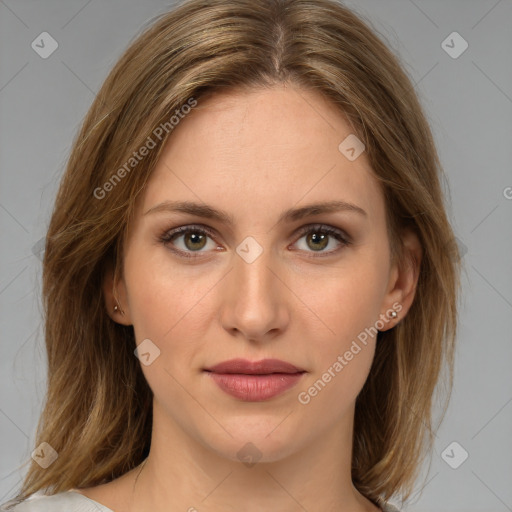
(194, 239)
(187, 240)
(319, 236)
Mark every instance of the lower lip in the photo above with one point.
(255, 388)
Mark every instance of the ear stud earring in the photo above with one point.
(393, 314)
(116, 309)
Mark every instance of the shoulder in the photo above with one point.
(67, 501)
(387, 507)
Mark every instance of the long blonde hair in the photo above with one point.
(98, 407)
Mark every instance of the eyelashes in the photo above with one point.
(168, 237)
(322, 234)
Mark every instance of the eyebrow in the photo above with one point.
(290, 215)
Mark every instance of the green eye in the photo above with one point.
(195, 238)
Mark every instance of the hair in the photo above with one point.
(97, 413)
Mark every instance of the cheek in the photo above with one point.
(165, 307)
(347, 300)
(348, 305)
(171, 305)
(342, 361)
(162, 297)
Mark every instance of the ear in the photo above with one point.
(115, 295)
(403, 280)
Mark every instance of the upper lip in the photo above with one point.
(263, 367)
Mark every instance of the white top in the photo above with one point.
(70, 501)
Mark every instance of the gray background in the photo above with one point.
(469, 104)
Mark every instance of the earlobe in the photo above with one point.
(118, 309)
(115, 305)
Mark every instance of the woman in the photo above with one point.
(250, 281)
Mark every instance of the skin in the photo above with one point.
(255, 154)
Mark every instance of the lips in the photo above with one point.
(255, 381)
(263, 367)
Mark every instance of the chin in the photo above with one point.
(254, 440)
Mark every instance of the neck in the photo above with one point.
(182, 473)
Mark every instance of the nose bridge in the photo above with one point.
(254, 304)
(254, 280)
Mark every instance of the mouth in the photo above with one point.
(263, 367)
(255, 381)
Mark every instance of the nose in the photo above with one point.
(255, 300)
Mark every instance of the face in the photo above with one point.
(309, 287)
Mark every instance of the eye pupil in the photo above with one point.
(195, 238)
(316, 237)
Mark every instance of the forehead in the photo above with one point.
(258, 152)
